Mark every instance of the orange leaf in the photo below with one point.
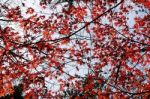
(30, 10)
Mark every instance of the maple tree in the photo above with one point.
(82, 48)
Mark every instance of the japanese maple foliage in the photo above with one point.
(77, 48)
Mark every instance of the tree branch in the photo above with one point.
(6, 20)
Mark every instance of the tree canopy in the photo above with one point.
(75, 48)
